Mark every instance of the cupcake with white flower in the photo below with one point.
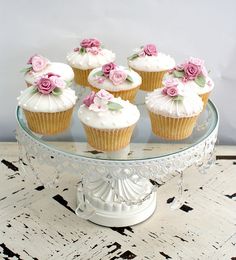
(108, 121)
(173, 110)
(194, 75)
(151, 66)
(89, 55)
(48, 104)
(39, 65)
(118, 80)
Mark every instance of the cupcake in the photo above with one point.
(151, 66)
(108, 121)
(173, 110)
(194, 76)
(39, 65)
(90, 55)
(117, 80)
(48, 105)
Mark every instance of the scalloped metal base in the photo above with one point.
(127, 216)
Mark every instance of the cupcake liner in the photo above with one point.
(108, 139)
(151, 80)
(81, 76)
(48, 123)
(172, 128)
(129, 94)
(205, 98)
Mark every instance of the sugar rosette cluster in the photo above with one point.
(114, 73)
(172, 89)
(146, 50)
(91, 45)
(101, 101)
(192, 69)
(37, 63)
(50, 83)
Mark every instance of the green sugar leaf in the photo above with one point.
(132, 57)
(114, 106)
(129, 79)
(201, 81)
(57, 92)
(82, 50)
(69, 83)
(25, 70)
(178, 74)
(34, 90)
(178, 98)
(98, 73)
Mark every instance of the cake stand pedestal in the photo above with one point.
(118, 188)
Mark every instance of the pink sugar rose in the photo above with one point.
(88, 100)
(170, 82)
(76, 49)
(117, 76)
(38, 62)
(191, 70)
(172, 91)
(95, 43)
(107, 68)
(45, 85)
(104, 95)
(89, 43)
(93, 50)
(179, 67)
(196, 61)
(150, 50)
(58, 81)
(164, 91)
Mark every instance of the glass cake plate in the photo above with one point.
(118, 188)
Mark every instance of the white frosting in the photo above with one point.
(89, 60)
(153, 63)
(62, 69)
(37, 102)
(164, 105)
(109, 86)
(108, 119)
(192, 85)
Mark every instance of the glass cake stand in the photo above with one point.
(119, 188)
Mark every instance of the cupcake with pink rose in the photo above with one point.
(118, 80)
(88, 56)
(151, 66)
(48, 104)
(194, 75)
(173, 110)
(38, 65)
(108, 121)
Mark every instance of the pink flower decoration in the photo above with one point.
(191, 70)
(117, 76)
(58, 81)
(179, 67)
(196, 61)
(38, 62)
(88, 100)
(93, 50)
(89, 43)
(104, 95)
(150, 50)
(172, 91)
(107, 68)
(45, 85)
(100, 79)
(76, 49)
(170, 82)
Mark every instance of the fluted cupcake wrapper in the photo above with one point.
(81, 76)
(108, 139)
(129, 94)
(48, 123)
(172, 128)
(205, 98)
(151, 80)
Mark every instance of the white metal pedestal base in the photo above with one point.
(128, 215)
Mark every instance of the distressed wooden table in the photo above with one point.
(39, 223)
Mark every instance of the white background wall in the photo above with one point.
(183, 28)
